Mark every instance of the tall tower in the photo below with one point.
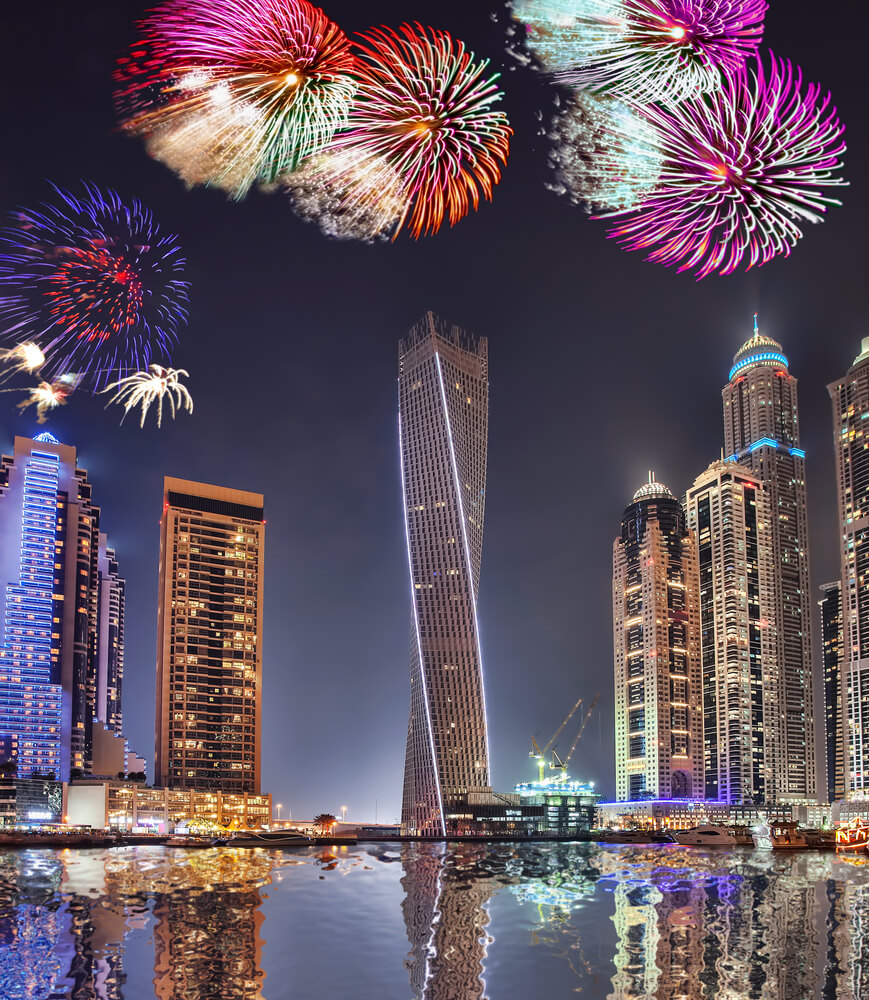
(728, 511)
(110, 644)
(833, 650)
(49, 569)
(761, 432)
(850, 397)
(209, 638)
(443, 390)
(658, 692)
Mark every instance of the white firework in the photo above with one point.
(153, 386)
(22, 358)
(48, 395)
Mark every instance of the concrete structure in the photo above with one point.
(728, 512)
(126, 805)
(833, 655)
(60, 653)
(850, 398)
(658, 698)
(443, 391)
(568, 806)
(761, 432)
(209, 638)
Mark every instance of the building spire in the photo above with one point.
(756, 331)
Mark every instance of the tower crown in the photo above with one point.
(652, 489)
(758, 351)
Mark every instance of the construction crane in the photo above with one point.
(538, 755)
(535, 754)
(557, 764)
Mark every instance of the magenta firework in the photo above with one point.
(743, 169)
(93, 281)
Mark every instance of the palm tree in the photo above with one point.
(325, 822)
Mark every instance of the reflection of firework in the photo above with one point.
(646, 49)
(604, 154)
(96, 279)
(153, 386)
(424, 107)
(229, 92)
(23, 358)
(350, 196)
(742, 167)
(49, 395)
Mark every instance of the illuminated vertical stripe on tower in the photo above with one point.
(434, 760)
(467, 557)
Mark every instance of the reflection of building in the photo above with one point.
(209, 638)
(850, 396)
(761, 432)
(443, 428)
(446, 920)
(728, 511)
(833, 654)
(659, 725)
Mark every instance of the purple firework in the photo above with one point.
(743, 168)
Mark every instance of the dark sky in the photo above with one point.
(601, 367)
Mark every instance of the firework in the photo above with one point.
(604, 153)
(152, 386)
(49, 395)
(22, 358)
(95, 279)
(648, 50)
(350, 196)
(424, 110)
(231, 92)
(743, 169)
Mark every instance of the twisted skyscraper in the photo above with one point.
(443, 391)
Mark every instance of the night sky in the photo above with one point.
(602, 366)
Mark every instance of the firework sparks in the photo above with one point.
(350, 196)
(152, 386)
(95, 278)
(22, 358)
(231, 92)
(424, 109)
(49, 395)
(743, 168)
(648, 50)
(604, 154)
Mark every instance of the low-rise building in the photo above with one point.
(30, 801)
(684, 814)
(568, 806)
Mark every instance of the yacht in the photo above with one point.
(709, 836)
(635, 837)
(269, 838)
(779, 836)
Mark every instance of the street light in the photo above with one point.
(279, 811)
(343, 813)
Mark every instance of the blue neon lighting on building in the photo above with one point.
(46, 437)
(768, 442)
(798, 453)
(30, 701)
(764, 358)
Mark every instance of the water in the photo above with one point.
(464, 922)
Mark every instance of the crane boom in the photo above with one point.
(563, 724)
(581, 728)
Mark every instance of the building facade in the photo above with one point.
(850, 399)
(658, 688)
(209, 638)
(831, 637)
(110, 639)
(443, 431)
(52, 643)
(728, 511)
(761, 432)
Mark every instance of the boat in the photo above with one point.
(820, 839)
(636, 837)
(269, 838)
(191, 841)
(779, 836)
(853, 838)
(708, 836)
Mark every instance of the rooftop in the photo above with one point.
(652, 489)
(759, 350)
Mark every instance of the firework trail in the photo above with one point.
(48, 395)
(604, 155)
(95, 279)
(231, 92)
(646, 50)
(22, 358)
(423, 109)
(152, 386)
(743, 169)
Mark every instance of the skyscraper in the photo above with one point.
(658, 694)
(728, 511)
(761, 432)
(209, 638)
(49, 566)
(850, 397)
(443, 389)
(833, 654)
(110, 643)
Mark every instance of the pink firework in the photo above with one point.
(743, 169)
(424, 109)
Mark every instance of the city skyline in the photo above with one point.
(602, 366)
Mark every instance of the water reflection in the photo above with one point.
(483, 922)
